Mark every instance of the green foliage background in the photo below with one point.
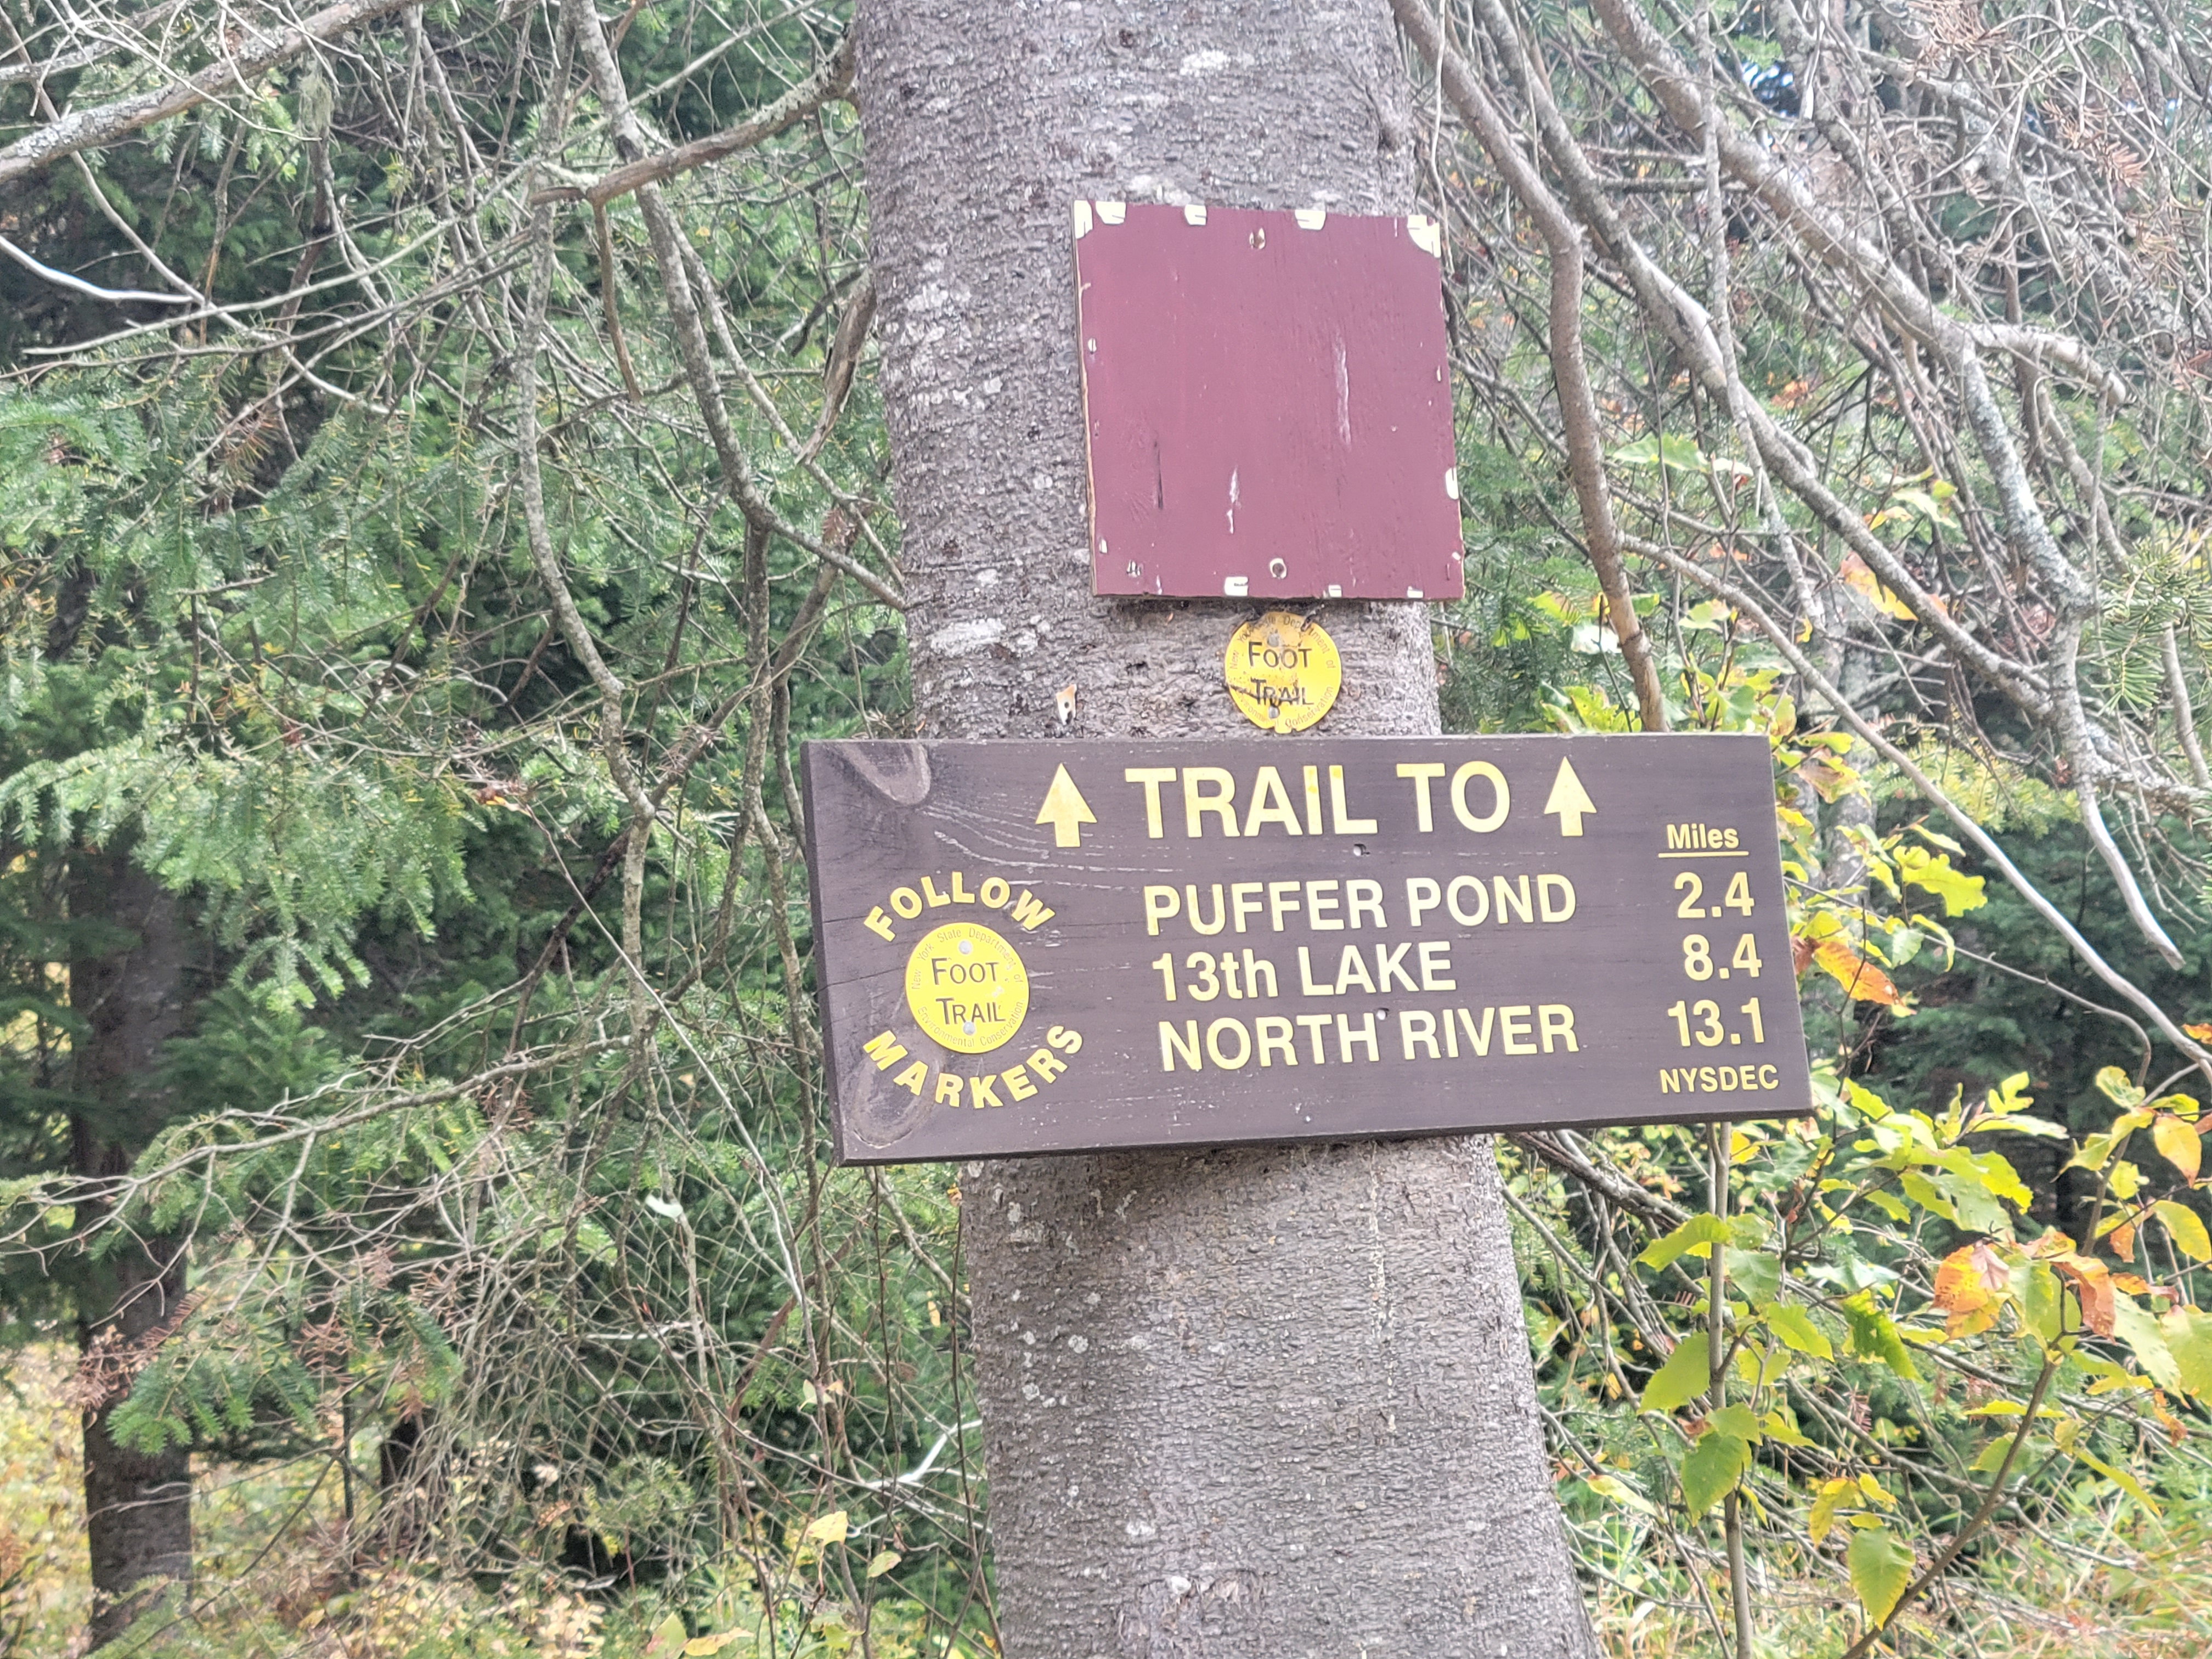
(518, 1321)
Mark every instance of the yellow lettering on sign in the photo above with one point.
(1283, 671)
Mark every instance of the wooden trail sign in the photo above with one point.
(1037, 947)
(1268, 411)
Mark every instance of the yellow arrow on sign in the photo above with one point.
(1568, 798)
(1064, 808)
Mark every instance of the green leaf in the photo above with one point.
(2147, 1339)
(2119, 1477)
(1740, 1421)
(1710, 1473)
(1972, 1205)
(1780, 1428)
(2186, 1228)
(2189, 1339)
(882, 1562)
(1669, 449)
(1927, 1196)
(1889, 1204)
(1686, 1374)
(1881, 1568)
(1795, 1329)
(2093, 1152)
(2040, 1302)
(1991, 1457)
(1757, 1365)
(1694, 1237)
(1873, 1336)
(1756, 1273)
(2119, 1088)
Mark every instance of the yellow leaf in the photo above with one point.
(1969, 1278)
(1864, 582)
(2120, 1478)
(2119, 1088)
(1825, 1504)
(2177, 1144)
(883, 1562)
(1609, 1486)
(2182, 1106)
(1859, 977)
(699, 1647)
(2186, 1228)
(830, 1529)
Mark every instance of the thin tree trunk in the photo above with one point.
(1270, 1402)
(130, 991)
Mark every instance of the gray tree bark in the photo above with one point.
(131, 996)
(1269, 1403)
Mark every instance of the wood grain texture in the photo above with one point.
(1271, 1402)
(1383, 947)
(1266, 404)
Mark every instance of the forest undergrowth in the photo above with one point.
(411, 613)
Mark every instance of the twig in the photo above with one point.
(115, 295)
(1980, 1518)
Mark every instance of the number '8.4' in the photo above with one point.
(1697, 957)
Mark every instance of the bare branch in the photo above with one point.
(103, 123)
(831, 82)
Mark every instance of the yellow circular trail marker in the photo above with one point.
(966, 988)
(1283, 671)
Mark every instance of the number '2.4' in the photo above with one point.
(1702, 1020)
(1691, 886)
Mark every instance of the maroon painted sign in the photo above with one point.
(1035, 947)
(1267, 403)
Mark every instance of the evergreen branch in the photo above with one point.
(114, 1193)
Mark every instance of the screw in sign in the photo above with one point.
(1283, 671)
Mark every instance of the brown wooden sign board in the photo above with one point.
(1267, 412)
(1042, 947)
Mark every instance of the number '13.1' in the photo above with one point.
(1708, 1031)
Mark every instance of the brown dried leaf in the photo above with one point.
(1859, 978)
(2092, 1283)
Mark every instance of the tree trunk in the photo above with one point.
(1271, 1402)
(132, 997)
